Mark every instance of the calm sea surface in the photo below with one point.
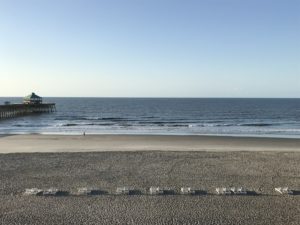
(242, 117)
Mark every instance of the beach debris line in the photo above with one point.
(127, 191)
(284, 190)
(238, 190)
(54, 192)
(223, 191)
(89, 191)
(161, 191)
(46, 192)
(231, 191)
(187, 191)
(153, 190)
(124, 191)
(50, 192)
(192, 191)
(33, 191)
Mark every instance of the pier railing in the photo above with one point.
(14, 110)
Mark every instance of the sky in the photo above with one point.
(150, 48)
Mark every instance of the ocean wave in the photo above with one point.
(256, 124)
(70, 125)
(135, 123)
(156, 124)
(211, 125)
(70, 118)
(28, 125)
(86, 124)
(149, 117)
(117, 119)
(111, 118)
(114, 119)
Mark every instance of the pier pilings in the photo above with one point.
(14, 110)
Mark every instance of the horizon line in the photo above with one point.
(147, 97)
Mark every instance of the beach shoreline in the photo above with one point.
(103, 143)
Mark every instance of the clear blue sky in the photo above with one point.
(153, 48)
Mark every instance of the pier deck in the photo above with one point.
(14, 110)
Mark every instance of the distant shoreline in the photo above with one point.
(127, 143)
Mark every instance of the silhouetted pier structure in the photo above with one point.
(31, 104)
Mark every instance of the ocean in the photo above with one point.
(167, 116)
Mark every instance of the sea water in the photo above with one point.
(182, 116)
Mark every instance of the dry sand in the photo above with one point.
(259, 164)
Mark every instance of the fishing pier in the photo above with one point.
(31, 104)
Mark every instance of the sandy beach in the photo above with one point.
(92, 143)
(108, 162)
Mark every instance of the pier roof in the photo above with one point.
(32, 96)
(32, 99)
